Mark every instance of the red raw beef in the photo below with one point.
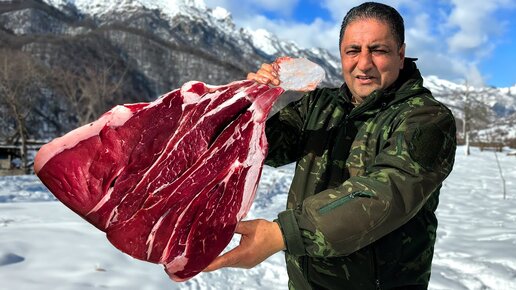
(169, 180)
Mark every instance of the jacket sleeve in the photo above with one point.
(412, 164)
(283, 130)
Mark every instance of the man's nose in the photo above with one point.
(365, 61)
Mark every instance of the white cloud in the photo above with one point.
(315, 34)
(243, 9)
(449, 38)
(433, 56)
(238, 10)
(339, 8)
(448, 67)
(318, 33)
(419, 35)
(284, 7)
(474, 22)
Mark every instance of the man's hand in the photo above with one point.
(267, 74)
(260, 240)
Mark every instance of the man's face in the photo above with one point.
(370, 56)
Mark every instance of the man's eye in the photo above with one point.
(352, 52)
(379, 51)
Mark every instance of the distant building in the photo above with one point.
(9, 154)
(10, 157)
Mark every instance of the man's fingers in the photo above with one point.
(269, 71)
(259, 240)
(259, 78)
(251, 76)
(229, 259)
(275, 66)
(267, 74)
(214, 265)
(267, 67)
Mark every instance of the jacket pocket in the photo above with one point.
(343, 200)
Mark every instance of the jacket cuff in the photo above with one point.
(291, 233)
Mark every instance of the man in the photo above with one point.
(371, 157)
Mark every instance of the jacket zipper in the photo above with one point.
(375, 270)
(343, 200)
(304, 265)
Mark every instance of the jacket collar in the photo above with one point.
(409, 83)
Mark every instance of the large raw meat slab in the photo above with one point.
(169, 180)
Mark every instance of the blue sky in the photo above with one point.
(457, 40)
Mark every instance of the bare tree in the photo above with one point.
(19, 77)
(99, 91)
(68, 84)
(476, 114)
(91, 90)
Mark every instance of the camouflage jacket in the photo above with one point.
(360, 210)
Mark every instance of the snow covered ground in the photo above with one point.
(43, 245)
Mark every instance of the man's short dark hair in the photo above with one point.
(376, 11)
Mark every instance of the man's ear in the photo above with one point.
(402, 55)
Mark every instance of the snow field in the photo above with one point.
(44, 245)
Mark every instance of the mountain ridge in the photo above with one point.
(159, 45)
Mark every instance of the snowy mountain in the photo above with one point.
(155, 46)
(491, 111)
(145, 48)
(194, 10)
(182, 22)
(501, 100)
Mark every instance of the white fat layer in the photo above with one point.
(300, 74)
(177, 264)
(105, 199)
(115, 117)
(101, 202)
(213, 94)
(240, 93)
(157, 101)
(189, 97)
(172, 144)
(164, 255)
(192, 97)
(150, 238)
(234, 167)
(254, 160)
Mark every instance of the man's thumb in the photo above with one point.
(242, 227)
